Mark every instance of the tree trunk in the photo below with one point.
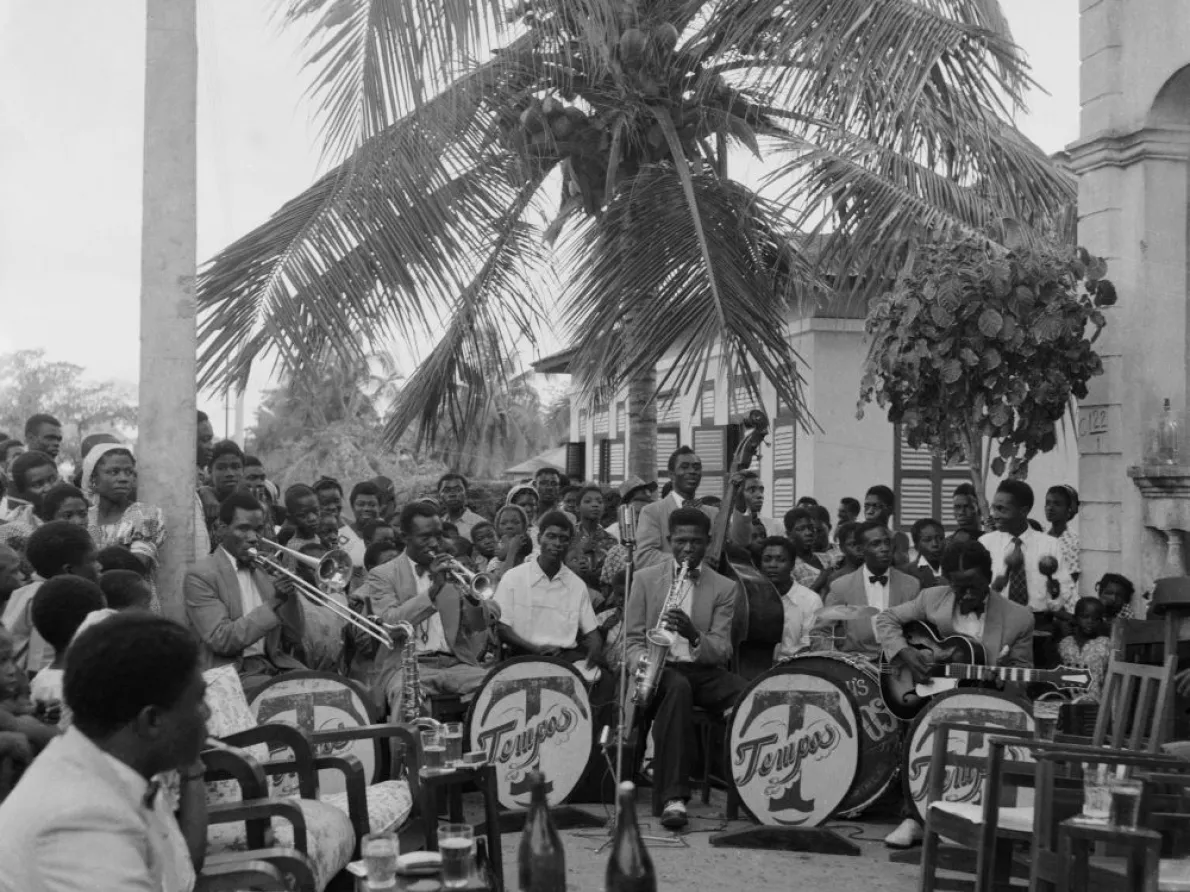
(167, 308)
(642, 426)
(978, 470)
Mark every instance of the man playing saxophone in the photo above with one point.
(696, 604)
(451, 633)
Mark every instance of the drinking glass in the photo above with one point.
(433, 751)
(1096, 792)
(452, 735)
(1045, 718)
(380, 852)
(456, 843)
(1124, 810)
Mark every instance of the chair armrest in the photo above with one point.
(941, 757)
(276, 736)
(257, 810)
(406, 734)
(357, 794)
(262, 869)
(1062, 752)
(228, 762)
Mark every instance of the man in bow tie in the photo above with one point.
(1005, 629)
(241, 615)
(876, 584)
(695, 673)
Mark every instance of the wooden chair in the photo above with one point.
(1133, 716)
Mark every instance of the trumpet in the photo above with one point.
(660, 640)
(477, 587)
(333, 570)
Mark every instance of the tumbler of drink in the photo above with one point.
(456, 843)
(380, 852)
(433, 751)
(1045, 718)
(1125, 802)
(1096, 792)
(452, 735)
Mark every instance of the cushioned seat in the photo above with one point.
(1017, 820)
(389, 804)
(329, 836)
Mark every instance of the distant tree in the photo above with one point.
(30, 383)
(981, 345)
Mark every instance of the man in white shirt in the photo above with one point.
(1017, 550)
(798, 603)
(85, 815)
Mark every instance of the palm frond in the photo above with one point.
(692, 277)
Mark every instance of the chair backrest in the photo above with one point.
(1134, 705)
(1144, 640)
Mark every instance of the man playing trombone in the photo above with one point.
(241, 615)
(422, 587)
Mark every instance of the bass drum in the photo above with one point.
(880, 731)
(793, 745)
(970, 707)
(532, 712)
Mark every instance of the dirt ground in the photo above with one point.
(687, 861)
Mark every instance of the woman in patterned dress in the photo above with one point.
(115, 517)
(1061, 506)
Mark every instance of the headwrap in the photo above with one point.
(517, 490)
(92, 461)
(518, 509)
(1071, 497)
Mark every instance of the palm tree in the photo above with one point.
(591, 148)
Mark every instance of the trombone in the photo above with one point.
(477, 587)
(333, 570)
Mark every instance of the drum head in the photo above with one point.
(318, 701)
(793, 743)
(971, 707)
(880, 730)
(532, 712)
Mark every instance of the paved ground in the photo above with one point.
(688, 861)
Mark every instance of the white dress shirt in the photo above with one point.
(430, 637)
(798, 606)
(545, 612)
(970, 625)
(876, 592)
(1034, 546)
(249, 599)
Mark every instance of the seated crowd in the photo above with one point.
(78, 563)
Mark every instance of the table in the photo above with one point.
(452, 781)
(1077, 835)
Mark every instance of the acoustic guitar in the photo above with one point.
(956, 659)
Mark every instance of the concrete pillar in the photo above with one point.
(168, 245)
(1132, 161)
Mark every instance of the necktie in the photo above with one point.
(691, 503)
(151, 792)
(1018, 586)
(878, 580)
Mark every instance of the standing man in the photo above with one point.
(963, 607)
(848, 511)
(452, 636)
(965, 507)
(43, 433)
(880, 503)
(548, 483)
(241, 615)
(1016, 550)
(695, 672)
(877, 584)
(205, 442)
(452, 495)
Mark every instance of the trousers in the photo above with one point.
(440, 676)
(681, 687)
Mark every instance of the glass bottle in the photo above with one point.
(630, 869)
(1164, 438)
(541, 861)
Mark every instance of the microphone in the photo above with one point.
(627, 525)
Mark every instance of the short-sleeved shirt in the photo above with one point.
(545, 612)
(798, 606)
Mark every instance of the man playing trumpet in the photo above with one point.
(695, 604)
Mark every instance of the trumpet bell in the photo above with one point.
(334, 568)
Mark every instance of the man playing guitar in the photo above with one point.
(1005, 629)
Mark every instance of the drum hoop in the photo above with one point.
(787, 669)
(854, 660)
(911, 731)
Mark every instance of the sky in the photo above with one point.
(70, 155)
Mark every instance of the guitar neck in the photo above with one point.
(1009, 674)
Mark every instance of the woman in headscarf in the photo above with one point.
(1061, 506)
(115, 518)
(512, 527)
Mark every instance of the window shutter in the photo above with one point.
(668, 440)
(707, 403)
(576, 460)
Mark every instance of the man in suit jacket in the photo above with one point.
(964, 607)
(876, 584)
(695, 673)
(452, 636)
(241, 615)
(83, 816)
(652, 526)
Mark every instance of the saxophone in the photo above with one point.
(411, 695)
(660, 640)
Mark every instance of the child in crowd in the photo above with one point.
(849, 546)
(117, 557)
(1116, 593)
(380, 553)
(16, 709)
(1088, 644)
(485, 541)
(125, 590)
(372, 531)
(929, 540)
(829, 554)
(59, 608)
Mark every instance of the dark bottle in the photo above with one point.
(541, 862)
(630, 869)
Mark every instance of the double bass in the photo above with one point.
(759, 617)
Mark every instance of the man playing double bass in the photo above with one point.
(699, 613)
(1005, 629)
